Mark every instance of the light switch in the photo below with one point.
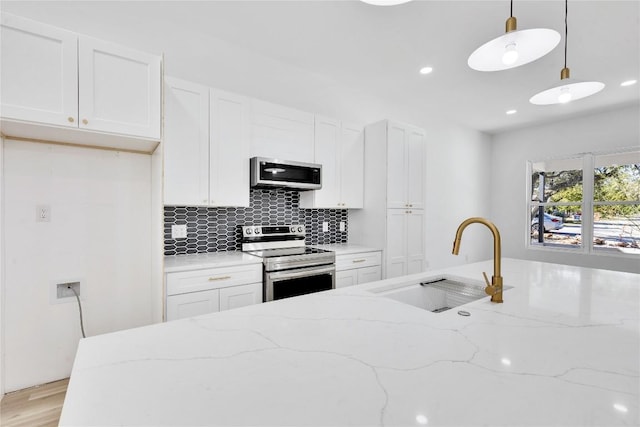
(343, 226)
(325, 226)
(179, 231)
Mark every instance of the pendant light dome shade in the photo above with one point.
(568, 89)
(528, 45)
(514, 48)
(385, 2)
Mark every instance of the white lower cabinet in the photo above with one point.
(196, 292)
(356, 269)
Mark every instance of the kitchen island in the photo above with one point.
(563, 349)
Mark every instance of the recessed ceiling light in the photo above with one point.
(510, 112)
(629, 83)
(620, 408)
(426, 70)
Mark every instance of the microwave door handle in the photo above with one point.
(301, 273)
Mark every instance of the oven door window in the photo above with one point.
(295, 286)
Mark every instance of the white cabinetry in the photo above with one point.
(280, 132)
(119, 89)
(355, 269)
(405, 177)
(339, 148)
(192, 293)
(393, 214)
(56, 78)
(206, 146)
(405, 245)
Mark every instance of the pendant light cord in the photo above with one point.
(566, 30)
(511, 13)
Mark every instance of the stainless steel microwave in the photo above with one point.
(274, 173)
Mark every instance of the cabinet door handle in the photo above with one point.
(85, 121)
(359, 260)
(71, 119)
(213, 279)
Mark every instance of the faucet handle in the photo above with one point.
(490, 289)
(486, 279)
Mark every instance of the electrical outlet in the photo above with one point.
(325, 226)
(63, 290)
(43, 213)
(179, 231)
(343, 226)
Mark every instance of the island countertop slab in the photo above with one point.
(563, 349)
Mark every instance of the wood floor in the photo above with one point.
(38, 406)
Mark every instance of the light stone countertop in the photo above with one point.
(563, 349)
(175, 263)
(346, 248)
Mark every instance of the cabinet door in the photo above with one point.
(346, 278)
(186, 143)
(229, 150)
(192, 304)
(369, 274)
(352, 166)
(415, 168)
(327, 153)
(39, 72)
(119, 89)
(240, 296)
(415, 241)
(281, 132)
(396, 167)
(396, 258)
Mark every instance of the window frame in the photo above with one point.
(587, 206)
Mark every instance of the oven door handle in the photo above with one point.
(301, 272)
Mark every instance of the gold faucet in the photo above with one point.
(495, 287)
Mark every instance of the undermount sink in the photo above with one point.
(436, 294)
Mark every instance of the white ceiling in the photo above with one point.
(379, 50)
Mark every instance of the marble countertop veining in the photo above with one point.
(563, 349)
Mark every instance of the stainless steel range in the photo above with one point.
(290, 267)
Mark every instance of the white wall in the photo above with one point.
(99, 233)
(458, 187)
(510, 152)
(1, 268)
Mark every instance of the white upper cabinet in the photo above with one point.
(280, 132)
(39, 80)
(186, 143)
(206, 146)
(55, 82)
(228, 149)
(119, 89)
(339, 148)
(405, 175)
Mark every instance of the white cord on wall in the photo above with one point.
(79, 308)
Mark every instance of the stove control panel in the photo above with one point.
(273, 230)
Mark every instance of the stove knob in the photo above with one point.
(248, 231)
(257, 230)
(300, 229)
(293, 229)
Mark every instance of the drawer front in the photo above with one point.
(213, 278)
(369, 274)
(366, 259)
(192, 304)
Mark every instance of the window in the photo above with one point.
(591, 198)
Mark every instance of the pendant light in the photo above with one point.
(568, 89)
(515, 48)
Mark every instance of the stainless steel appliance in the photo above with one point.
(275, 173)
(290, 268)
